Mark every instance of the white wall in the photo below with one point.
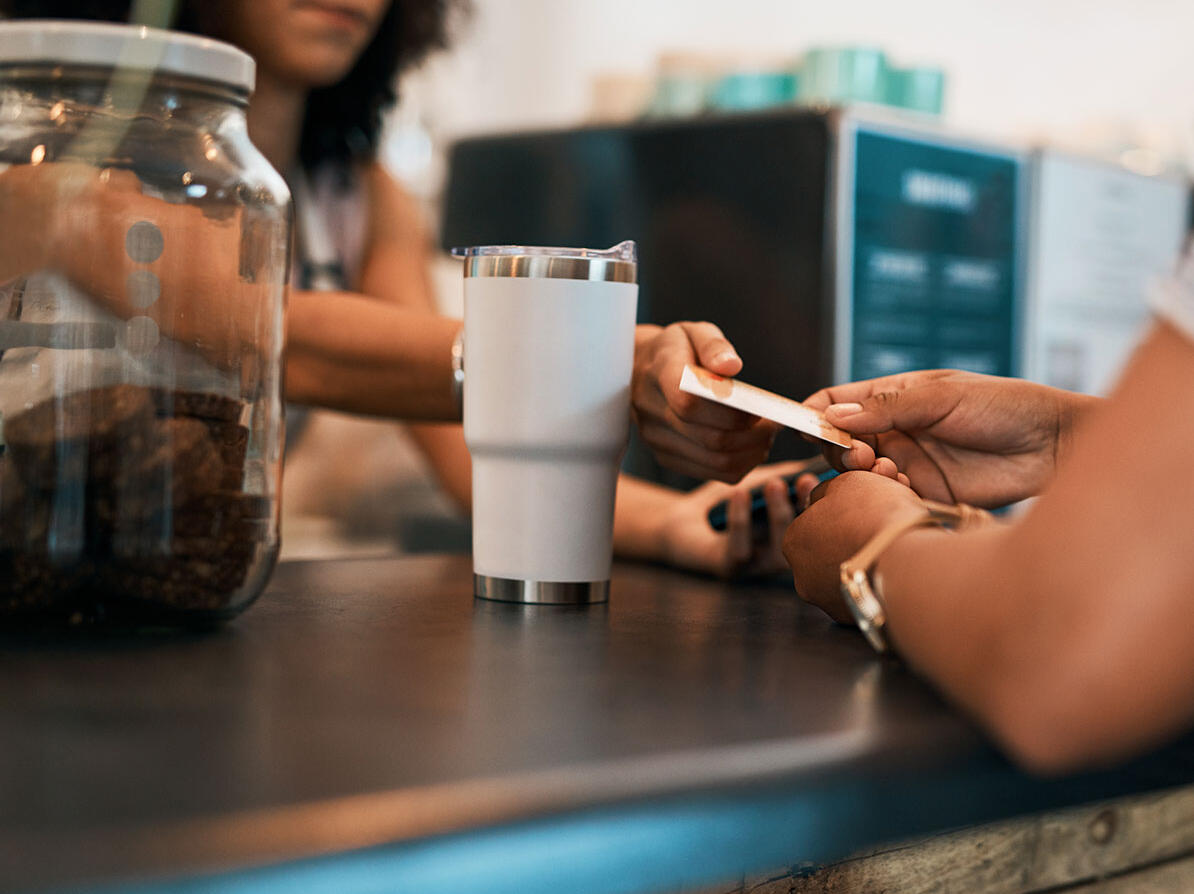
(1067, 70)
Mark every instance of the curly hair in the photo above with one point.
(343, 122)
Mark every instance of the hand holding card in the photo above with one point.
(759, 402)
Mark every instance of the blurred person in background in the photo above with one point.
(1065, 632)
(363, 334)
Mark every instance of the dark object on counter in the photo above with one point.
(759, 524)
(126, 502)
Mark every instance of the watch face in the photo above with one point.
(874, 636)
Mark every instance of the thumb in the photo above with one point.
(714, 352)
(911, 409)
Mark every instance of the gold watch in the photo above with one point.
(865, 606)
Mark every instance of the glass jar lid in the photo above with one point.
(135, 47)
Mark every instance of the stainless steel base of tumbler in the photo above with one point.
(540, 592)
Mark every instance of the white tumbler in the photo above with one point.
(548, 350)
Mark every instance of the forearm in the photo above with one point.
(639, 519)
(359, 355)
(952, 603)
(997, 624)
(444, 449)
(1066, 633)
(1039, 656)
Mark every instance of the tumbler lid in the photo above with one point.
(138, 47)
(617, 264)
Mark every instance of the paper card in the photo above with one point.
(759, 402)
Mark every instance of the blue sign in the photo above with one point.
(934, 267)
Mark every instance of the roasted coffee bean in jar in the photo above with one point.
(143, 252)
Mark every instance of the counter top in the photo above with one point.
(368, 720)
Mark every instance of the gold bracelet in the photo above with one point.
(860, 594)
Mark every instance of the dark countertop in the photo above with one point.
(368, 720)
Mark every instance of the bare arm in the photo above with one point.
(387, 351)
(1081, 612)
(1066, 634)
(355, 353)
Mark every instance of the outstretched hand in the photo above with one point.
(960, 437)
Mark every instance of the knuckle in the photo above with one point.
(676, 332)
(658, 444)
(676, 463)
(884, 399)
(703, 334)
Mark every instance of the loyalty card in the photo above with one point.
(750, 399)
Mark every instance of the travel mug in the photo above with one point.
(548, 351)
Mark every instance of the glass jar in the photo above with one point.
(143, 261)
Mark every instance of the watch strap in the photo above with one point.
(857, 590)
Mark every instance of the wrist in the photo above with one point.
(862, 588)
(859, 588)
(640, 520)
(904, 561)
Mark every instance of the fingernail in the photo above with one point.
(841, 410)
(725, 357)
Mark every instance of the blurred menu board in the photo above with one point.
(1101, 235)
(934, 273)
